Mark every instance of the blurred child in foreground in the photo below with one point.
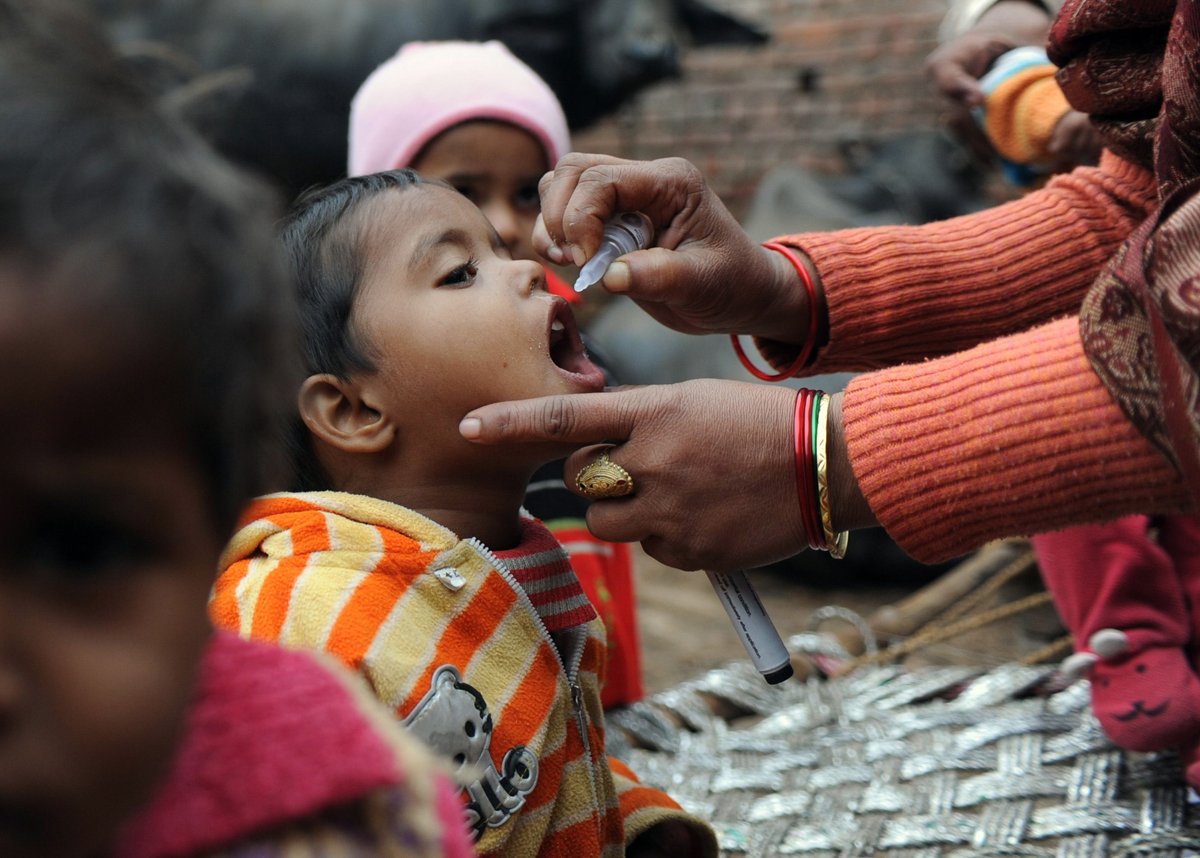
(145, 341)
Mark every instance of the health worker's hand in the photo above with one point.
(703, 276)
(712, 463)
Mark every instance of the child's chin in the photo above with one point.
(559, 384)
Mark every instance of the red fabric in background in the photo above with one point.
(557, 286)
(1139, 577)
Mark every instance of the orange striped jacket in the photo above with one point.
(450, 642)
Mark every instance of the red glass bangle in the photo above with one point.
(803, 469)
(817, 533)
(802, 497)
(806, 352)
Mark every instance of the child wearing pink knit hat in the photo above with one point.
(472, 114)
(430, 86)
(475, 116)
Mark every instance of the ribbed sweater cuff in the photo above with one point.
(903, 293)
(1014, 437)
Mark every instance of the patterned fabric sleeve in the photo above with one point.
(1140, 319)
(644, 807)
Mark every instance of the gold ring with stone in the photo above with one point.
(604, 479)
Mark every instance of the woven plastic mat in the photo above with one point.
(925, 763)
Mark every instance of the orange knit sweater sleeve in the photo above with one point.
(904, 293)
(1009, 438)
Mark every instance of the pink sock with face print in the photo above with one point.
(1123, 595)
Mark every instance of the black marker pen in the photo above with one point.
(754, 627)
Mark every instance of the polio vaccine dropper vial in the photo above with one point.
(624, 233)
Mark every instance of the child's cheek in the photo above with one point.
(119, 693)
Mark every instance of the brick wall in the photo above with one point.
(835, 72)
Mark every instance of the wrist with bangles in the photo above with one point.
(811, 444)
(811, 429)
(808, 350)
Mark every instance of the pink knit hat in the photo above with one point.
(430, 86)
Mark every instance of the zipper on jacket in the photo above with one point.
(571, 673)
(577, 703)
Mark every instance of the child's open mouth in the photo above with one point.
(566, 348)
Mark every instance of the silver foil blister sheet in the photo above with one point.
(912, 765)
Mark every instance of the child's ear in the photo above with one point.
(335, 411)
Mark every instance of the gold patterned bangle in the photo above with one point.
(837, 542)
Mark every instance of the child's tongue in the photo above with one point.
(569, 355)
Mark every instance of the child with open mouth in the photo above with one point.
(405, 551)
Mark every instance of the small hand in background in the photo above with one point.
(954, 68)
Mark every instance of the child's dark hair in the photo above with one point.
(324, 241)
(113, 205)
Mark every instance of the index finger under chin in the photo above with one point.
(578, 418)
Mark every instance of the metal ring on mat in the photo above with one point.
(836, 612)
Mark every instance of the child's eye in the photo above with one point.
(463, 275)
(527, 199)
(78, 549)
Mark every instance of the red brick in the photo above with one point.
(738, 112)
